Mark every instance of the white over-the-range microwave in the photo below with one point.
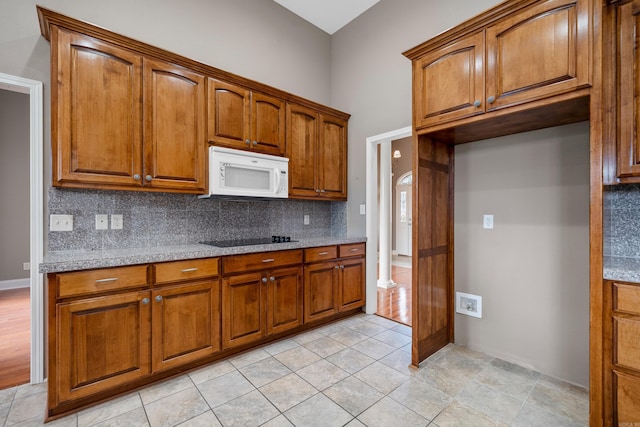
(238, 173)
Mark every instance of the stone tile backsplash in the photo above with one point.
(158, 219)
(622, 221)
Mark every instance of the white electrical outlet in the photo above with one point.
(306, 220)
(26, 266)
(363, 209)
(102, 222)
(487, 222)
(116, 222)
(60, 222)
(469, 304)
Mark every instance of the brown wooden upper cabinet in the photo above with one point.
(246, 120)
(628, 147)
(537, 52)
(317, 151)
(121, 120)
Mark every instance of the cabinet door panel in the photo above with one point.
(628, 140)
(284, 300)
(268, 117)
(97, 137)
(352, 290)
(539, 52)
(302, 146)
(174, 143)
(320, 291)
(627, 392)
(186, 323)
(103, 342)
(243, 309)
(229, 115)
(449, 82)
(332, 154)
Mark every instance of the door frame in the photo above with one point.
(372, 218)
(396, 205)
(33, 88)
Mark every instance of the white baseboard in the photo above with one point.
(14, 284)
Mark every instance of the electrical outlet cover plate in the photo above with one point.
(469, 304)
(60, 222)
(116, 222)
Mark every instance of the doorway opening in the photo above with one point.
(33, 89)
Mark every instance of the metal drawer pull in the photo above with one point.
(110, 279)
(159, 298)
(355, 249)
(323, 253)
(189, 270)
(268, 260)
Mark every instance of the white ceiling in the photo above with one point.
(328, 15)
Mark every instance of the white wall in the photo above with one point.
(14, 184)
(532, 269)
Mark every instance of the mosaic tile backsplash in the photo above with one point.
(622, 221)
(159, 219)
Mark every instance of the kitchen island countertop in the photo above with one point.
(623, 269)
(59, 261)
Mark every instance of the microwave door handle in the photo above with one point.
(278, 178)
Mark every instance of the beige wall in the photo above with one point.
(14, 184)
(532, 269)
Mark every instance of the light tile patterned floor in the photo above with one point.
(351, 373)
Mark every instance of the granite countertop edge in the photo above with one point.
(623, 269)
(61, 261)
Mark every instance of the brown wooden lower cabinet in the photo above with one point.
(115, 329)
(622, 354)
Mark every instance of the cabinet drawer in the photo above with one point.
(356, 249)
(320, 254)
(626, 343)
(261, 261)
(626, 298)
(167, 272)
(103, 280)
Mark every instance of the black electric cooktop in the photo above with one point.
(248, 242)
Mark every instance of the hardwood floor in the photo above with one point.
(395, 303)
(15, 339)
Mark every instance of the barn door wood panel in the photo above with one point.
(432, 248)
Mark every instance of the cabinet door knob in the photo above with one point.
(255, 143)
(342, 267)
(159, 298)
(264, 280)
(246, 141)
(145, 301)
(477, 103)
(318, 190)
(148, 178)
(336, 267)
(136, 177)
(273, 279)
(322, 191)
(491, 99)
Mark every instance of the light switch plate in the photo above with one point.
(60, 222)
(116, 222)
(306, 220)
(487, 222)
(363, 209)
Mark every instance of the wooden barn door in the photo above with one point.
(432, 248)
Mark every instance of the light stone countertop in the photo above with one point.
(59, 261)
(623, 269)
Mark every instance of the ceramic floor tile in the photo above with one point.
(458, 415)
(165, 388)
(324, 347)
(322, 374)
(280, 346)
(207, 419)
(394, 339)
(400, 361)
(421, 398)
(318, 411)
(264, 372)
(225, 388)
(25, 390)
(287, 392)
(353, 395)
(252, 409)
(381, 377)
(353, 320)
(211, 371)
(368, 328)
(468, 353)
(307, 337)
(348, 336)
(279, 421)
(508, 378)
(350, 360)
(458, 363)
(561, 402)
(27, 408)
(248, 358)
(532, 416)
(403, 329)
(68, 421)
(135, 418)
(447, 381)
(355, 423)
(176, 408)
(7, 394)
(374, 348)
(297, 358)
(330, 328)
(108, 410)
(495, 404)
(389, 413)
(382, 321)
(4, 411)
